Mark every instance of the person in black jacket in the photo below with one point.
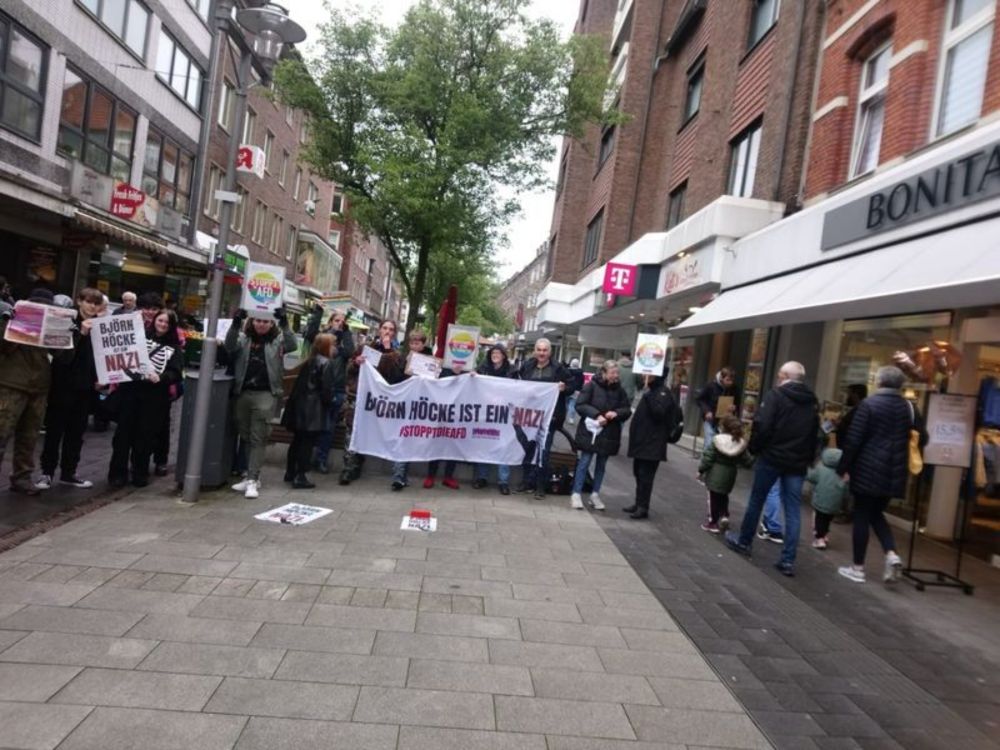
(876, 461)
(308, 409)
(495, 365)
(604, 401)
(724, 384)
(70, 396)
(655, 417)
(417, 343)
(856, 393)
(337, 327)
(541, 368)
(783, 439)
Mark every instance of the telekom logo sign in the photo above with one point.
(620, 279)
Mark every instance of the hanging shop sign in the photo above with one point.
(262, 289)
(620, 279)
(250, 160)
(126, 201)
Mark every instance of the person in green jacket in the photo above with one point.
(829, 492)
(720, 461)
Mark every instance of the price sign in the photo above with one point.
(951, 421)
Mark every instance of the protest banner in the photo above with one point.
(45, 326)
(466, 418)
(423, 366)
(650, 354)
(263, 289)
(120, 350)
(293, 514)
(460, 345)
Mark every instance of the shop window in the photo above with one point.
(126, 19)
(23, 61)
(176, 69)
(227, 106)
(743, 162)
(283, 174)
(293, 239)
(249, 127)
(871, 112)
(762, 17)
(607, 146)
(593, 239)
(166, 173)
(675, 212)
(268, 151)
(259, 221)
(968, 35)
(95, 128)
(695, 81)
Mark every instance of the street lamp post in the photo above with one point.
(272, 29)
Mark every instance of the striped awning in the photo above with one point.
(119, 232)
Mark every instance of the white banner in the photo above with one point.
(466, 418)
(263, 289)
(120, 350)
(650, 354)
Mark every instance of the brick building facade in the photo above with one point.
(519, 294)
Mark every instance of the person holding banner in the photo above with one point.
(257, 349)
(145, 403)
(417, 343)
(496, 366)
(603, 405)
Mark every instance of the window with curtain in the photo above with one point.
(96, 128)
(743, 162)
(593, 239)
(22, 86)
(965, 59)
(871, 112)
(126, 19)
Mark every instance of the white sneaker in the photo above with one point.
(595, 500)
(575, 501)
(241, 486)
(852, 574)
(44, 482)
(893, 568)
(252, 489)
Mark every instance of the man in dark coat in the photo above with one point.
(541, 368)
(602, 401)
(655, 417)
(723, 384)
(784, 440)
(876, 461)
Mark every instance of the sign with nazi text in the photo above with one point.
(466, 418)
(120, 351)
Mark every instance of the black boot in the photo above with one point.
(630, 508)
(640, 513)
(302, 483)
(289, 477)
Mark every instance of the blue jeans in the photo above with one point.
(571, 415)
(535, 475)
(709, 432)
(503, 472)
(399, 472)
(325, 441)
(583, 465)
(765, 476)
(772, 509)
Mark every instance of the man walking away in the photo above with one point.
(784, 441)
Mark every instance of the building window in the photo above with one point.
(563, 166)
(311, 197)
(762, 17)
(249, 127)
(293, 240)
(227, 106)
(126, 19)
(334, 239)
(22, 80)
(289, 115)
(298, 184)
(166, 172)
(283, 174)
(337, 205)
(964, 63)
(268, 151)
(695, 81)
(178, 71)
(304, 130)
(607, 146)
(871, 112)
(743, 164)
(593, 240)
(96, 128)
(239, 212)
(277, 234)
(675, 212)
(200, 7)
(259, 220)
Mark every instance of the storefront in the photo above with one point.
(903, 264)
(33, 252)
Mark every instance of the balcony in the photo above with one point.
(622, 29)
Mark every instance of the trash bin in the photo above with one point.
(220, 438)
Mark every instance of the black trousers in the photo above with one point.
(139, 421)
(870, 511)
(645, 473)
(300, 450)
(822, 525)
(449, 469)
(65, 423)
(718, 506)
(161, 448)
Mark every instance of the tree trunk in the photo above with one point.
(417, 298)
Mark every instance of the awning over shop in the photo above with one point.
(956, 268)
(122, 234)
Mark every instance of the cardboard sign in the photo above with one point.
(460, 345)
(423, 366)
(293, 514)
(263, 289)
(650, 354)
(419, 520)
(45, 326)
(371, 356)
(725, 407)
(121, 353)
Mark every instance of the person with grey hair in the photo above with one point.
(128, 304)
(876, 463)
(604, 401)
(783, 439)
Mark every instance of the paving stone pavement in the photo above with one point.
(517, 624)
(818, 662)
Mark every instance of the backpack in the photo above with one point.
(676, 430)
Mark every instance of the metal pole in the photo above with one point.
(206, 368)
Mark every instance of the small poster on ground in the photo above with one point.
(419, 520)
(650, 354)
(461, 345)
(263, 289)
(121, 353)
(423, 366)
(294, 514)
(45, 326)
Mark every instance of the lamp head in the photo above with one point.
(272, 30)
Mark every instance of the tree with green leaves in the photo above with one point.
(422, 124)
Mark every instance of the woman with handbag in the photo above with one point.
(307, 411)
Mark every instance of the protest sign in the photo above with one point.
(419, 520)
(263, 289)
(222, 327)
(466, 418)
(293, 514)
(650, 354)
(371, 355)
(120, 350)
(423, 366)
(460, 345)
(35, 324)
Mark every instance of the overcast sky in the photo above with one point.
(528, 232)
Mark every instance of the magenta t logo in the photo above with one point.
(620, 279)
